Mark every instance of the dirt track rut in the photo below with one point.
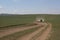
(45, 34)
(29, 36)
(14, 30)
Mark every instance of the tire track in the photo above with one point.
(45, 34)
(29, 36)
(14, 30)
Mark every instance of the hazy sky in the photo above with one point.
(30, 6)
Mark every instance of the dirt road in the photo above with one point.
(45, 34)
(29, 36)
(14, 30)
(32, 35)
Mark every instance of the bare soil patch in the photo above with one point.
(14, 30)
(29, 36)
(45, 34)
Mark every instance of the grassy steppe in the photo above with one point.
(22, 19)
(15, 20)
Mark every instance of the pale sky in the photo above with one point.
(30, 6)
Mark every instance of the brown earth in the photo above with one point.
(14, 30)
(29, 36)
(45, 34)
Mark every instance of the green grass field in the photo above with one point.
(23, 19)
(15, 20)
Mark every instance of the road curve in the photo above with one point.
(29, 36)
(43, 36)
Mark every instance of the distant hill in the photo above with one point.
(6, 14)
